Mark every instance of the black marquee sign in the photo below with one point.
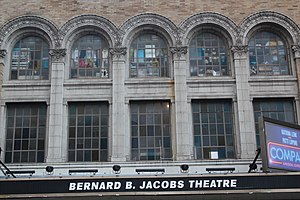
(142, 184)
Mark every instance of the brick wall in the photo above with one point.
(118, 11)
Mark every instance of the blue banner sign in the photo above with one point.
(282, 146)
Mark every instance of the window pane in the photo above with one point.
(88, 132)
(267, 53)
(90, 57)
(150, 135)
(210, 56)
(279, 109)
(30, 59)
(149, 57)
(211, 128)
(23, 142)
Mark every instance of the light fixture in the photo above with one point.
(184, 168)
(221, 169)
(75, 171)
(22, 172)
(49, 170)
(116, 169)
(150, 170)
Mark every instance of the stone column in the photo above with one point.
(3, 53)
(236, 127)
(296, 50)
(2, 108)
(245, 118)
(56, 108)
(119, 133)
(65, 138)
(2, 130)
(184, 135)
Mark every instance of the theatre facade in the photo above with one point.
(147, 108)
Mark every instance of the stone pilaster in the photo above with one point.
(120, 137)
(184, 136)
(56, 109)
(296, 51)
(2, 130)
(245, 118)
(3, 53)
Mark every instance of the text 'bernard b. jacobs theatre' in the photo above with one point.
(129, 100)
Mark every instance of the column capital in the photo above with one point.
(179, 51)
(296, 50)
(239, 51)
(3, 53)
(118, 52)
(57, 55)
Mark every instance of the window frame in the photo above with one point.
(160, 69)
(18, 115)
(210, 72)
(268, 70)
(86, 140)
(37, 76)
(201, 121)
(90, 72)
(147, 137)
(269, 102)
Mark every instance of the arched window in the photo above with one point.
(90, 57)
(208, 56)
(30, 59)
(149, 57)
(268, 55)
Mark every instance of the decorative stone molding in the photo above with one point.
(3, 53)
(89, 20)
(296, 50)
(118, 41)
(178, 51)
(239, 50)
(209, 18)
(57, 55)
(118, 52)
(238, 34)
(269, 17)
(28, 22)
(151, 19)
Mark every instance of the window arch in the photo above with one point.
(268, 55)
(208, 55)
(149, 56)
(30, 59)
(90, 57)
